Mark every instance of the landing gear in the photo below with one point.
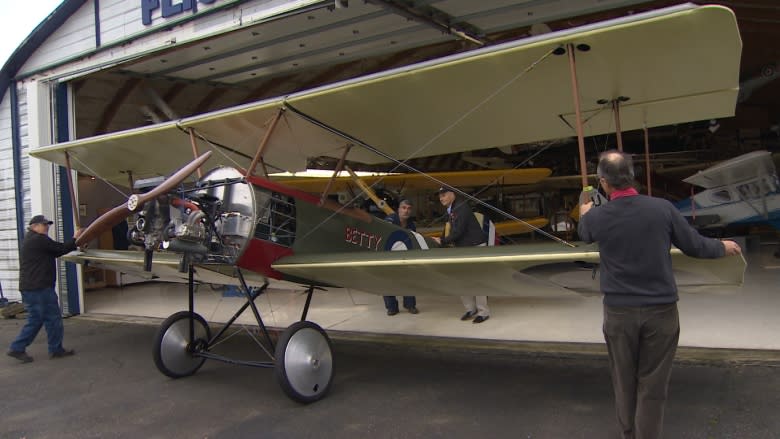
(173, 350)
(304, 362)
(302, 359)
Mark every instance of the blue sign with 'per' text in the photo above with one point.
(170, 8)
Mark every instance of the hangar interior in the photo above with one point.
(330, 41)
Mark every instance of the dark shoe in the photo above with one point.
(392, 312)
(21, 356)
(480, 319)
(468, 315)
(413, 310)
(62, 353)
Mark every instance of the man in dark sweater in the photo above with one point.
(37, 276)
(465, 231)
(402, 218)
(641, 325)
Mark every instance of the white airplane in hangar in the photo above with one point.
(743, 190)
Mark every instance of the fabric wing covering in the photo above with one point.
(531, 270)
(674, 65)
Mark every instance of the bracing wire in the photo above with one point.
(111, 185)
(403, 163)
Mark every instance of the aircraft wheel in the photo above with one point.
(172, 349)
(304, 362)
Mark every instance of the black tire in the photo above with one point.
(172, 351)
(304, 362)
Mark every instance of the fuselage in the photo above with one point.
(263, 221)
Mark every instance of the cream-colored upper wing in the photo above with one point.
(674, 65)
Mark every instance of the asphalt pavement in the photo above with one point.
(384, 387)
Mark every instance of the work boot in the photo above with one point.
(21, 356)
(62, 353)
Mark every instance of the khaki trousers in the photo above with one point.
(642, 342)
(476, 303)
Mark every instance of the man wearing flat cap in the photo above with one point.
(37, 277)
(465, 231)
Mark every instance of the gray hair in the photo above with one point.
(405, 201)
(617, 168)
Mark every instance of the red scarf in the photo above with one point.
(630, 192)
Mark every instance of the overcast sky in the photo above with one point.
(18, 19)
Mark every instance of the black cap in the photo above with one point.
(446, 188)
(40, 219)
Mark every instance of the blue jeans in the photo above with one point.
(391, 303)
(42, 309)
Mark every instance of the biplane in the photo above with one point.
(739, 191)
(230, 225)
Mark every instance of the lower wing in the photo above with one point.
(522, 270)
(165, 267)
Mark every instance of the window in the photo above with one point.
(276, 219)
(721, 196)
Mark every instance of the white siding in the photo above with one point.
(76, 35)
(9, 244)
(120, 21)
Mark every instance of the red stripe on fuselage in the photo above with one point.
(259, 255)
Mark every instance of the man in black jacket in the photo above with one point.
(402, 218)
(464, 232)
(37, 276)
(641, 325)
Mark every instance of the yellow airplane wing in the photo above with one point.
(503, 228)
(509, 228)
(420, 182)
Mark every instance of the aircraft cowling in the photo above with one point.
(224, 220)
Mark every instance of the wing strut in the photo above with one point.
(616, 112)
(72, 191)
(575, 91)
(261, 148)
(380, 203)
(336, 171)
(194, 151)
(647, 160)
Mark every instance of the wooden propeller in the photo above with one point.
(137, 201)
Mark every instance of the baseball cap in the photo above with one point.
(40, 219)
(446, 188)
